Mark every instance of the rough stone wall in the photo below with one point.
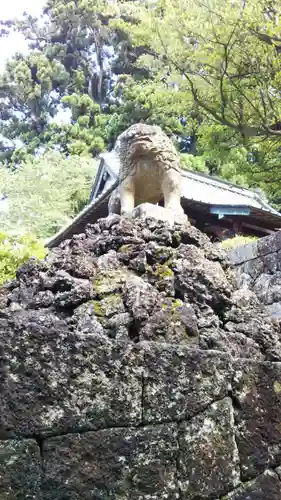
(133, 369)
(258, 267)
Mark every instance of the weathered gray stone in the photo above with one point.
(244, 280)
(268, 288)
(257, 392)
(77, 259)
(110, 281)
(107, 262)
(274, 289)
(135, 464)
(110, 240)
(270, 263)
(79, 293)
(255, 324)
(96, 340)
(20, 470)
(254, 267)
(109, 306)
(159, 213)
(264, 487)
(140, 297)
(86, 322)
(278, 259)
(274, 310)
(175, 322)
(44, 299)
(180, 382)
(231, 341)
(262, 273)
(207, 319)
(208, 461)
(261, 287)
(57, 381)
(162, 277)
(245, 298)
(269, 244)
(198, 279)
(244, 253)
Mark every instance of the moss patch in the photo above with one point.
(163, 271)
(126, 248)
(108, 306)
(160, 272)
(163, 254)
(277, 387)
(173, 305)
(109, 283)
(97, 308)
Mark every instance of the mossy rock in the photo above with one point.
(163, 271)
(108, 306)
(127, 248)
(163, 254)
(160, 272)
(173, 305)
(110, 283)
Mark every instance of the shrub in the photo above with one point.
(45, 193)
(237, 241)
(15, 251)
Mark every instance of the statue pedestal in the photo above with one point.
(148, 210)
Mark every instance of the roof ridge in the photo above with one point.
(216, 180)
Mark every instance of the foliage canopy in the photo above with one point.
(208, 70)
(44, 193)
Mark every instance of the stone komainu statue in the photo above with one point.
(149, 170)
